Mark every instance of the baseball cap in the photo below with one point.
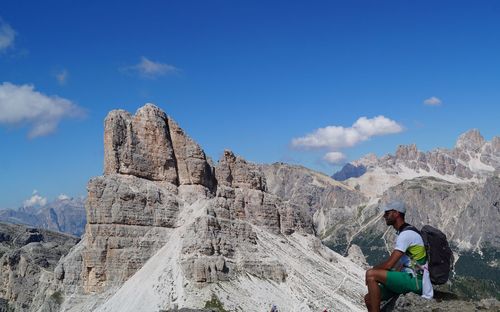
(394, 205)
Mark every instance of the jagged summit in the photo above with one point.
(471, 140)
(151, 145)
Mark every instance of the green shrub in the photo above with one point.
(215, 304)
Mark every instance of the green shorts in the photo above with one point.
(400, 283)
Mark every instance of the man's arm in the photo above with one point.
(391, 262)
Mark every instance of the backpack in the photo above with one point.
(439, 254)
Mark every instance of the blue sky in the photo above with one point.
(272, 81)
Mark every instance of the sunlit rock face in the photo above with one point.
(156, 181)
(152, 146)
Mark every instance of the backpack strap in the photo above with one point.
(410, 227)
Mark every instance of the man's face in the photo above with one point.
(390, 217)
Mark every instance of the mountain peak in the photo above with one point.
(470, 140)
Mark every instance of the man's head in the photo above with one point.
(394, 210)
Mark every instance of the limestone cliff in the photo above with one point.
(165, 226)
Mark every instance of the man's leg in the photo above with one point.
(373, 278)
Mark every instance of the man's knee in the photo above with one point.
(370, 273)
(375, 275)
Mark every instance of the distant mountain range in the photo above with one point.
(473, 159)
(62, 215)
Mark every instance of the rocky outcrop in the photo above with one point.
(158, 180)
(28, 257)
(235, 172)
(139, 145)
(192, 165)
(413, 302)
(150, 145)
(355, 254)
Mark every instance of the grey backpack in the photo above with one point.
(439, 254)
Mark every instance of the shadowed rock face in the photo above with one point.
(28, 256)
(349, 171)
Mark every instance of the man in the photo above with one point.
(405, 268)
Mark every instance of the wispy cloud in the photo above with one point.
(334, 158)
(7, 35)
(22, 105)
(433, 101)
(62, 77)
(335, 138)
(150, 69)
(35, 200)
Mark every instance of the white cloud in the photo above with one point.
(21, 105)
(150, 69)
(334, 158)
(62, 77)
(7, 35)
(35, 200)
(63, 197)
(337, 137)
(433, 101)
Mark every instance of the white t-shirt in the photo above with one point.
(411, 242)
(409, 239)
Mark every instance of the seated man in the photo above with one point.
(403, 271)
